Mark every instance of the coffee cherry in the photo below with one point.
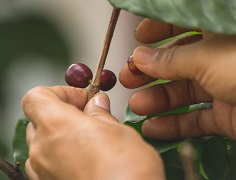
(132, 66)
(78, 75)
(108, 80)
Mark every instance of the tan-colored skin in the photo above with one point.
(147, 28)
(70, 138)
(203, 71)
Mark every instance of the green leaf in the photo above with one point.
(20, 148)
(216, 155)
(218, 16)
(173, 166)
(164, 146)
(33, 36)
(134, 118)
(218, 158)
(3, 149)
(3, 176)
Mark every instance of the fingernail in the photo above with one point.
(102, 100)
(143, 55)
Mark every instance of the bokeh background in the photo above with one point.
(40, 39)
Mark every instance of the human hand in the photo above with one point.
(202, 70)
(69, 138)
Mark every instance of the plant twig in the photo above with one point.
(94, 86)
(13, 172)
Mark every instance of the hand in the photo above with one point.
(69, 138)
(202, 70)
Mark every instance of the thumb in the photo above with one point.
(166, 63)
(99, 107)
(207, 62)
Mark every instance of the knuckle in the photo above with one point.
(166, 57)
(31, 94)
(165, 62)
(35, 154)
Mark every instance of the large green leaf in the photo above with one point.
(217, 16)
(218, 158)
(20, 148)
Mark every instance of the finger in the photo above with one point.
(135, 81)
(131, 80)
(99, 108)
(57, 101)
(150, 31)
(164, 97)
(173, 127)
(30, 133)
(199, 61)
(31, 174)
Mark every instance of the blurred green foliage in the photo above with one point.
(31, 35)
(216, 155)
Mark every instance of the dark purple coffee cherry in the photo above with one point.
(132, 66)
(78, 75)
(108, 80)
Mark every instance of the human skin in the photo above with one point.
(70, 138)
(201, 71)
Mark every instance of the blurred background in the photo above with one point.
(40, 39)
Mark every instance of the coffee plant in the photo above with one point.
(214, 156)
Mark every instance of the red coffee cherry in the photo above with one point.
(132, 66)
(108, 80)
(78, 75)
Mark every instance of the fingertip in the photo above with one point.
(148, 60)
(147, 129)
(131, 81)
(102, 100)
(99, 103)
(99, 108)
(143, 55)
(136, 104)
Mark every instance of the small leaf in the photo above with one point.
(132, 117)
(218, 16)
(182, 110)
(20, 148)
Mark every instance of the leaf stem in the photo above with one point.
(94, 86)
